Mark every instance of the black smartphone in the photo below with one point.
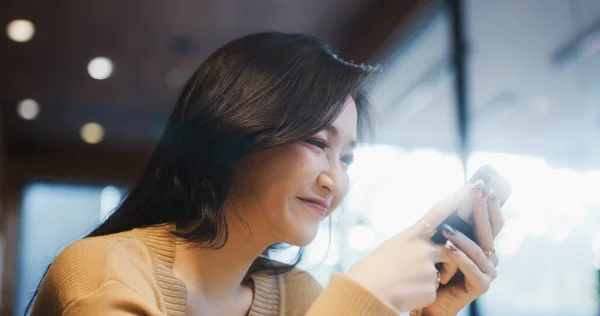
(462, 218)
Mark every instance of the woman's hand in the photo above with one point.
(476, 261)
(402, 270)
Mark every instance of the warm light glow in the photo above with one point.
(530, 208)
(361, 237)
(394, 187)
(322, 250)
(382, 175)
(513, 235)
(28, 109)
(100, 68)
(92, 133)
(20, 30)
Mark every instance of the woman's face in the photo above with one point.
(283, 193)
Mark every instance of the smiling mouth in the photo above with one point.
(319, 209)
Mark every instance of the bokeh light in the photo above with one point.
(20, 30)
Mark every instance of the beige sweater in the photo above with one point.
(130, 273)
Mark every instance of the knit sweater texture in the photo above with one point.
(131, 273)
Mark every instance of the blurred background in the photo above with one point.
(86, 88)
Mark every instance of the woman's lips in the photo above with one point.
(318, 208)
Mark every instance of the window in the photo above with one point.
(534, 72)
(54, 216)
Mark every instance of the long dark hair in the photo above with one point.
(256, 92)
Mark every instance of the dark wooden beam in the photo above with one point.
(374, 33)
(88, 166)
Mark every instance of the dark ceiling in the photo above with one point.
(154, 45)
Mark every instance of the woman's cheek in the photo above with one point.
(335, 202)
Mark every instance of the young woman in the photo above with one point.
(255, 154)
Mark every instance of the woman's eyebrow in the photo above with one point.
(335, 132)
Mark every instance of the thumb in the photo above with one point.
(443, 208)
(447, 272)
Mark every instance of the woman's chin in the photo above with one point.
(302, 237)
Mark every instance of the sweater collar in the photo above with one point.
(268, 298)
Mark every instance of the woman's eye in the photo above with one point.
(319, 143)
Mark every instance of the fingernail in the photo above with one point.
(483, 193)
(477, 185)
(450, 246)
(492, 194)
(449, 229)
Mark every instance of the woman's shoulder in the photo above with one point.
(90, 263)
(101, 251)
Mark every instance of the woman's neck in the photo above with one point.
(218, 274)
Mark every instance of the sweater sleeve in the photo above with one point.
(343, 296)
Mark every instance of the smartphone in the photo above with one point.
(462, 218)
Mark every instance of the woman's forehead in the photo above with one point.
(345, 125)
